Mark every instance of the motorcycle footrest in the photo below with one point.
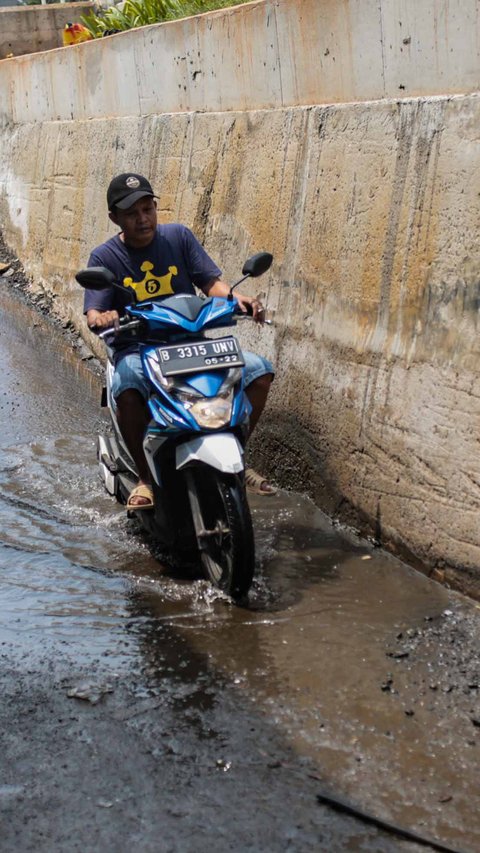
(204, 534)
(110, 465)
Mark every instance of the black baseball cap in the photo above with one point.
(126, 189)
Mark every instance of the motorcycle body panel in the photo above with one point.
(223, 452)
(187, 313)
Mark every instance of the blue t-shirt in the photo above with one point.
(172, 263)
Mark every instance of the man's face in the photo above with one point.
(138, 222)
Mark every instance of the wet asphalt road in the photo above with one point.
(142, 709)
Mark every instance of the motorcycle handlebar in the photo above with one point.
(238, 311)
(124, 323)
(248, 315)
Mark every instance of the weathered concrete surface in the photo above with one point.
(261, 55)
(371, 212)
(28, 29)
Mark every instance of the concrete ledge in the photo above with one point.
(262, 55)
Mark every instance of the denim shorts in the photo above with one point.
(129, 374)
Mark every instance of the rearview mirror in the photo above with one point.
(96, 278)
(257, 264)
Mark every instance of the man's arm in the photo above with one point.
(200, 266)
(216, 287)
(98, 306)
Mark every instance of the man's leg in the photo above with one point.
(259, 375)
(133, 418)
(130, 390)
(257, 393)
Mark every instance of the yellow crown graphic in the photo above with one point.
(152, 285)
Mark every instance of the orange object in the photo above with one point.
(75, 33)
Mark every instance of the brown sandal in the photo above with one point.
(258, 485)
(141, 491)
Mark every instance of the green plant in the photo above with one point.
(127, 16)
(139, 13)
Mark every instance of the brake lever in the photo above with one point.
(106, 332)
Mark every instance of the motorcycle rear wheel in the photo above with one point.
(228, 556)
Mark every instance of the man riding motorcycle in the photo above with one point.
(156, 261)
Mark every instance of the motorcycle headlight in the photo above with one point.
(214, 412)
(165, 381)
(233, 376)
(186, 394)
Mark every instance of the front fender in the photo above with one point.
(222, 451)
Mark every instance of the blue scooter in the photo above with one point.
(194, 443)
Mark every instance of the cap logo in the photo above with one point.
(132, 183)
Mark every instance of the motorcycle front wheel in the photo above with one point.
(227, 546)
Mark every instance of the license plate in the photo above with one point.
(197, 356)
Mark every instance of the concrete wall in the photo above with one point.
(262, 55)
(28, 29)
(371, 210)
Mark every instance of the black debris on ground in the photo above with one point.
(446, 649)
(13, 275)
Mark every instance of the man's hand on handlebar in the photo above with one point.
(98, 320)
(251, 305)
